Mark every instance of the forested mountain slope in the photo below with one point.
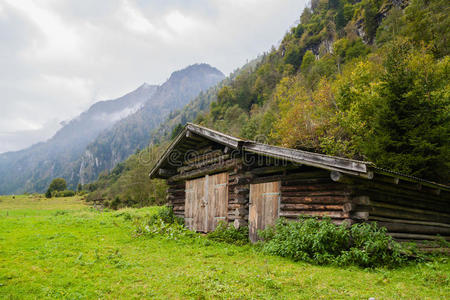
(33, 168)
(360, 79)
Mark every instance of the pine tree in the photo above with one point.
(370, 22)
(412, 131)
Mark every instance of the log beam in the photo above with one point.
(166, 172)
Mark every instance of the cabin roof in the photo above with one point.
(347, 166)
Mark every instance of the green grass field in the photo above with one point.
(59, 248)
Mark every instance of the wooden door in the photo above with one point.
(217, 200)
(264, 207)
(206, 202)
(195, 206)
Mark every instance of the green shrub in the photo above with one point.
(166, 215)
(163, 223)
(371, 246)
(228, 234)
(115, 203)
(322, 242)
(65, 193)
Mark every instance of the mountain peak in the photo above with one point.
(146, 86)
(196, 70)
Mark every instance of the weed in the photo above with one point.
(322, 242)
(228, 234)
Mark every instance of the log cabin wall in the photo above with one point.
(409, 211)
(176, 197)
(313, 193)
(238, 196)
(310, 191)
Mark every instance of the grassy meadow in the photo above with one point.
(61, 248)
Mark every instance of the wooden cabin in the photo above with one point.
(215, 177)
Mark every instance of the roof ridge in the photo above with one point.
(315, 153)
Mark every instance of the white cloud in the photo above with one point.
(61, 40)
(59, 57)
(180, 23)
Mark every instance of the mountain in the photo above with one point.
(134, 132)
(102, 136)
(31, 169)
(197, 106)
(128, 179)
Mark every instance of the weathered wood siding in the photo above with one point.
(313, 193)
(408, 211)
(264, 207)
(217, 202)
(195, 205)
(206, 202)
(176, 197)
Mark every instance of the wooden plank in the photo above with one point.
(202, 157)
(303, 207)
(216, 168)
(300, 181)
(218, 200)
(189, 205)
(312, 187)
(264, 206)
(331, 214)
(402, 214)
(203, 163)
(309, 158)
(268, 170)
(406, 201)
(206, 202)
(409, 209)
(375, 218)
(195, 204)
(413, 228)
(342, 193)
(398, 190)
(215, 136)
(315, 199)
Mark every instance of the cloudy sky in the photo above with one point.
(57, 57)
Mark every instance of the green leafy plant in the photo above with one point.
(166, 215)
(322, 242)
(163, 223)
(65, 193)
(228, 234)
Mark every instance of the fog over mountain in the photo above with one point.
(107, 133)
(134, 132)
(31, 168)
